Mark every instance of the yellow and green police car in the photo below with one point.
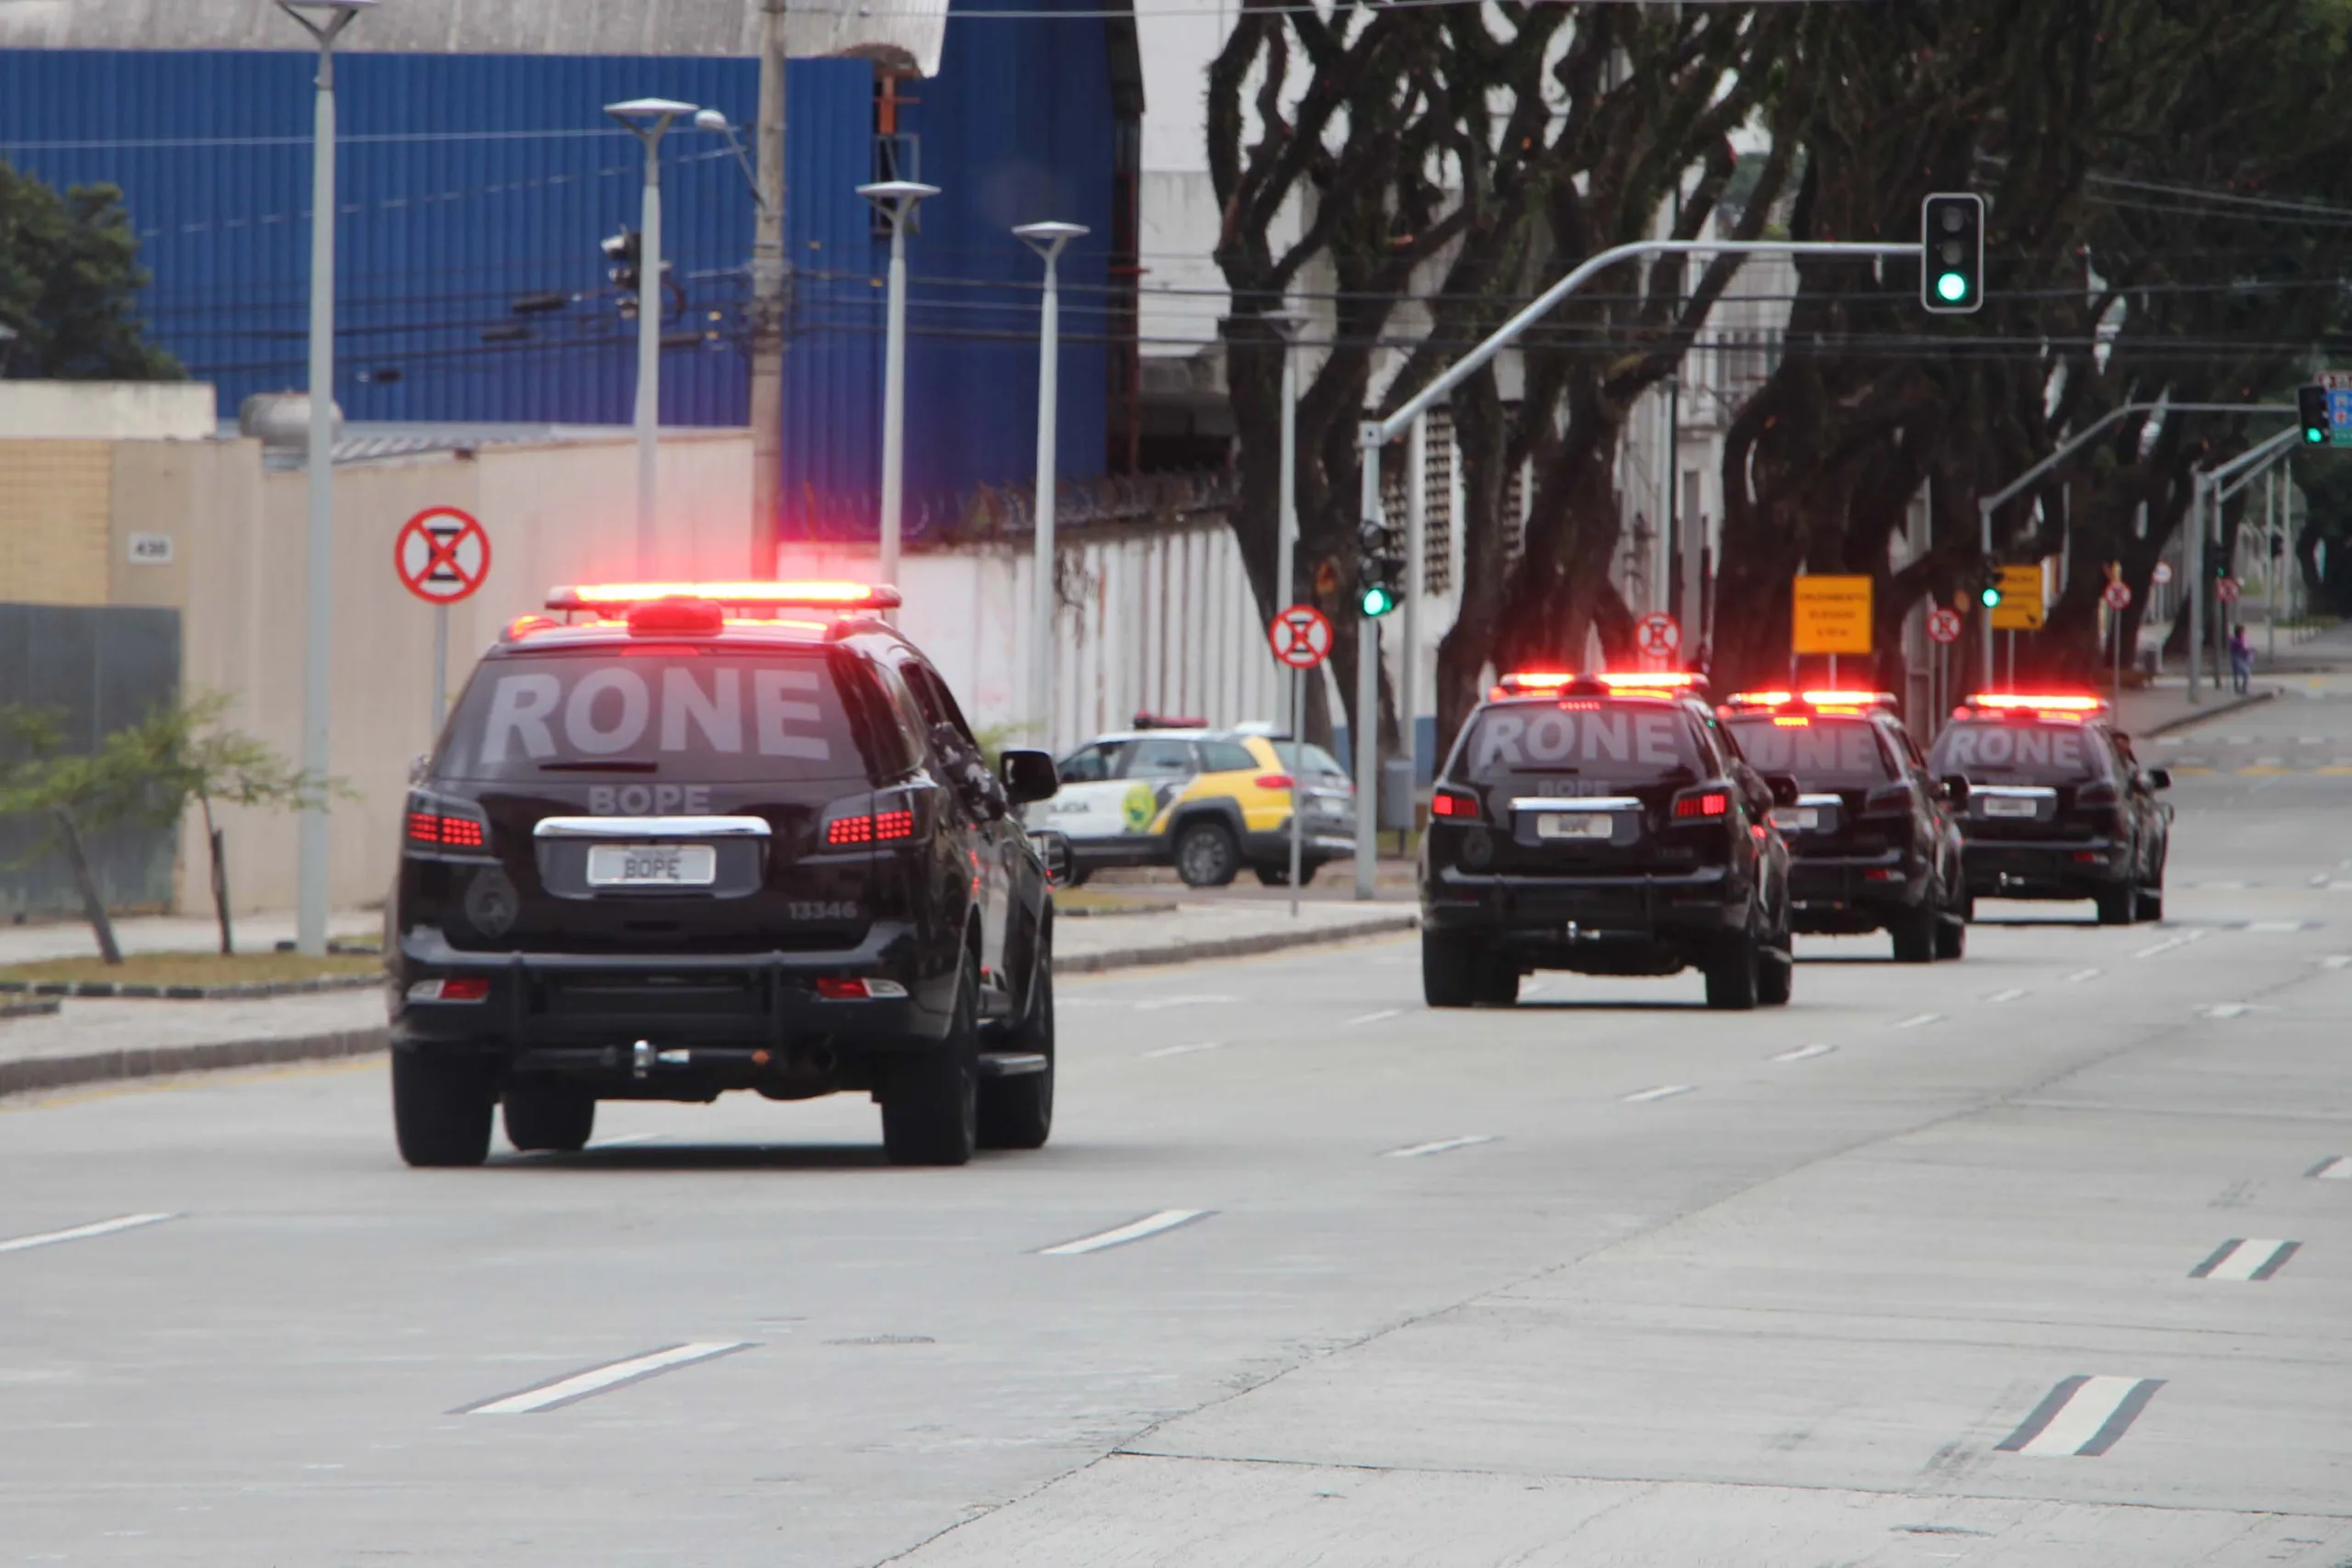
(1208, 802)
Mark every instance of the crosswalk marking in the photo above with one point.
(2081, 1417)
(2246, 1260)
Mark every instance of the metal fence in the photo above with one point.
(99, 669)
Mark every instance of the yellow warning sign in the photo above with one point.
(1832, 616)
(2020, 606)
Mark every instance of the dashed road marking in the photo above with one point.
(2335, 1168)
(1806, 1053)
(2168, 945)
(576, 1386)
(2079, 975)
(2083, 1417)
(1183, 1050)
(1919, 1020)
(2228, 1010)
(1380, 1017)
(2249, 1260)
(1442, 1146)
(82, 1233)
(2012, 993)
(1663, 1091)
(1134, 1230)
(2270, 927)
(2335, 960)
(1161, 1004)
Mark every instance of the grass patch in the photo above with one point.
(193, 970)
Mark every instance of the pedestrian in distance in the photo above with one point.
(2241, 660)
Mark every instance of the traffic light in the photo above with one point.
(2311, 402)
(1952, 252)
(1380, 572)
(626, 253)
(2217, 560)
(1988, 585)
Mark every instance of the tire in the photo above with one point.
(1449, 969)
(1733, 976)
(1776, 973)
(1913, 931)
(1968, 909)
(2152, 902)
(1018, 1112)
(931, 1108)
(441, 1110)
(544, 1115)
(1952, 937)
(1494, 983)
(2118, 909)
(1207, 855)
(1279, 875)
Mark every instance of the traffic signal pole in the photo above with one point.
(1374, 434)
(2213, 491)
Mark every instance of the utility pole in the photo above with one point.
(771, 278)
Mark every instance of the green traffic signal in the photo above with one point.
(1378, 600)
(1951, 288)
(1989, 596)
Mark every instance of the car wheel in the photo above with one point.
(1951, 936)
(930, 1100)
(1449, 969)
(1913, 931)
(1207, 855)
(2117, 908)
(441, 1108)
(1494, 983)
(1733, 976)
(2152, 902)
(1968, 909)
(1776, 971)
(1077, 878)
(1017, 1112)
(542, 1114)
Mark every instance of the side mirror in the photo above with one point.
(1054, 849)
(1028, 776)
(2160, 778)
(418, 766)
(1956, 790)
(1783, 787)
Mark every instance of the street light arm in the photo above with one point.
(2081, 438)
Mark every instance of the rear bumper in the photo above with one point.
(1317, 843)
(588, 1008)
(1843, 893)
(2073, 868)
(1549, 915)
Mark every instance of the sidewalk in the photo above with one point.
(173, 933)
(2165, 704)
(96, 1041)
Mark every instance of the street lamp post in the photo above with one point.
(312, 844)
(648, 120)
(1047, 240)
(1287, 323)
(897, 201)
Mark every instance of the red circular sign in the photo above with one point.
(2118, 596)
(2226, 590)
(1943, 625)
(1301, 637)
(1658, 635)
(2162, 574)
(442, 554)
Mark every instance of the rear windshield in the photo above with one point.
(1319, 762)
(1995, 750)
(1832, 753)
(721, 717)
(1580, 747)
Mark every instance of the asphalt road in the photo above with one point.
(2033, 1259)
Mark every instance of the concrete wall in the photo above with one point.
(106, 411)
(54, 498)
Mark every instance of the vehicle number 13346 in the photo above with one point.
(815, 909)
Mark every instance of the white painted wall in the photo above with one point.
(107, 411)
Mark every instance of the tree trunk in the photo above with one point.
(94, 907)
(215, 840)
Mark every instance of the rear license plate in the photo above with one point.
(2010, 805)
(652, 865)
(1585, 825)
(1796, 819)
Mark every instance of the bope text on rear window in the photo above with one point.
(1827, 753)
(714, 718)
(2019, 753)
(1591, 747)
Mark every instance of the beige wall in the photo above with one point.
(107, 410)
(54, 502)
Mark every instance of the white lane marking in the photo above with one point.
(2083, 1415)
(1442, 1145)
(1918, 1019)
(1161, 1004)
(2311, 739)
(2012, 993)
(2270, 762)
(2228, 1010)
(1134, 1230)
(2335, 960)
(2221, 886)
(2274, 926)
(2079, 975)
(1184, 1050)
(83, 1232)
(598, 1380)
(2182, 939)
(2317, 879)
(2249, 1260)
(1383, 1015)
(622, 1140)
(1663, 1091)
(1805, 1052)
(2335, 1168)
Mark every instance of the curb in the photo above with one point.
(1230, 947)
(107, 1067)
(27, 1010)
(249, 991)
(2202, 714)
(156, 1061)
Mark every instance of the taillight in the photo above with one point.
(1277, 781)
(874, 827)
(468, 990)
(1701, 804)
(846, 988)
(1454, 804)
(430, 826)
(2096, 795)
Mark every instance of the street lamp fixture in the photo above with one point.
(1047, 240)
(648, 120)
(895, 200)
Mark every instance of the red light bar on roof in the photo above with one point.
(1520, 681)
(1759, 699)
(610, 596)
(1649, 679)
(1851, 699)
(2054, 704)
(1523, 683)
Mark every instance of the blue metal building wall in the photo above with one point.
(467, 182)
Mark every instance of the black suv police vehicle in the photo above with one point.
(1874, 839)
(691, 838)
(2058, 806)
(1603, 824)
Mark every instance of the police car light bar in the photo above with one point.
(1759, 699)
(1851, 699)
(1533, 681)
(1649, 679)
(612, 596)
(2057, 703)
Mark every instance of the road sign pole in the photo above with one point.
(1833, 671)
(1367, 714)
(440, 668)
(1297, 766)
(2193, 549)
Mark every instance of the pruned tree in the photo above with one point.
(69, 285)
